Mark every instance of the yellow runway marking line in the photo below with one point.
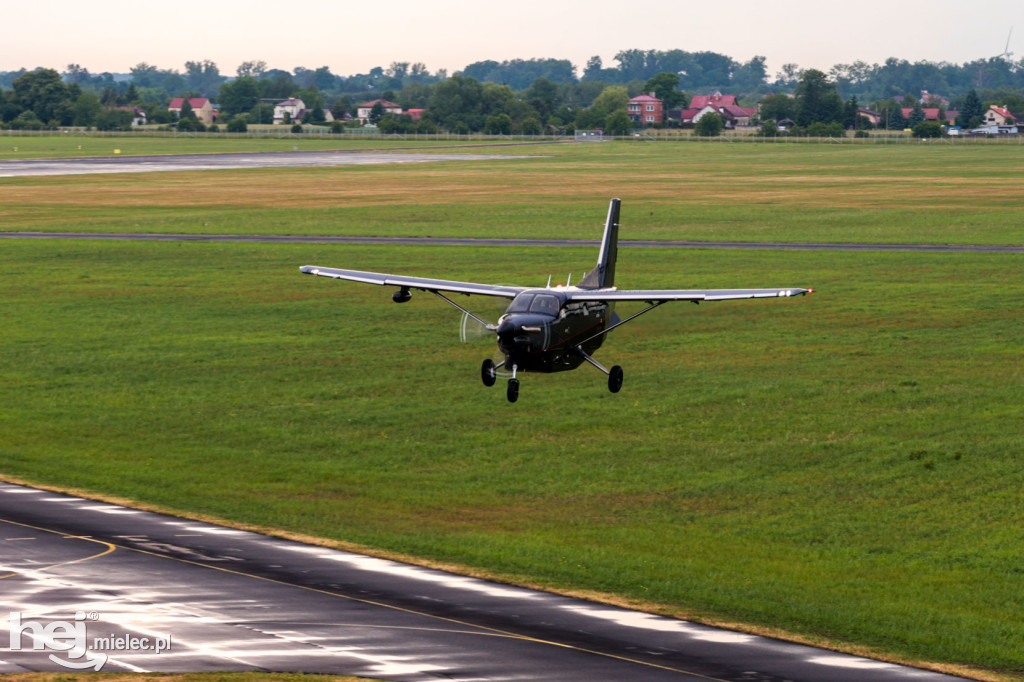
(109, 548)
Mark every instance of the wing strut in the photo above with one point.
(490, 327)
(649, 308)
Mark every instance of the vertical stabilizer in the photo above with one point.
(603, 275)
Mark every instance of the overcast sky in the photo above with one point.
(353, 37)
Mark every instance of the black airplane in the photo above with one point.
(553, 329)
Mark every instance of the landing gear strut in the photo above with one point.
(614, 374)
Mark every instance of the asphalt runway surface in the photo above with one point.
(197, 162)
(498, 241)
(153, 593)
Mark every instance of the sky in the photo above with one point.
(351, 38)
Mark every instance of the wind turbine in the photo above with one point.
(1005, 53)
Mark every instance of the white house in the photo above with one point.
(292, 107)
(364, 110)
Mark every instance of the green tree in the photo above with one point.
(458, 100)
(665, 87)
(44, 92)
(203, 77)
(618, 123)
(186, 111)
(916, 116)
(87, 108)
(498, 124)
(543, 97)
(751, 75)
(114, 119)
(709, 125)
(239, 96)
(530, 126)
(851, 113)
(778, 108)
(926, 129)
(376, 113)
(817, 99)
(896, 118)
(238, 124)
(972, 112)
(26, 120)
(612, 98)
(769, 128)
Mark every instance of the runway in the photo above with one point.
(506, 242)
(153, 593)
(199, 162)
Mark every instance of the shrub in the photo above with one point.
(926, 129)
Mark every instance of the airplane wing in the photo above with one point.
(423, 283)
(682, 294)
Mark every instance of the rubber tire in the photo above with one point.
(488, 374)
(615, 379)
(513, 390)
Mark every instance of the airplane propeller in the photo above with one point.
(471, 329)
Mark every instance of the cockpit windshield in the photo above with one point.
(533, 302)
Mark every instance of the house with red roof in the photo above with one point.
(646, 110)
(363, 111)
(201, 107)
(931, 114)
(715, 99)
(1000, 116)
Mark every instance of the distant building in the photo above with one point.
(646, 110)
(733, 116)
(873, 117)
(138, 115)
(934, 100)
(364, 110)
(716, 99)
(999, 116)
(931, 114)
(288, 111)
(201, 107)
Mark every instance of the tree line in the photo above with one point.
(523, 96)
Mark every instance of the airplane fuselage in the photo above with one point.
(541, 331)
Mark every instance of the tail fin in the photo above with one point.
(603, 275)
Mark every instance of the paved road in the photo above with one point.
(214, 598)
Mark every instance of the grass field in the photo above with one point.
(842, 468)
(670, 191)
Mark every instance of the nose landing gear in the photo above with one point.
(513, 386)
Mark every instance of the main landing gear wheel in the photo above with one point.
(615, 379)
(488, 372)
(513, 390)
